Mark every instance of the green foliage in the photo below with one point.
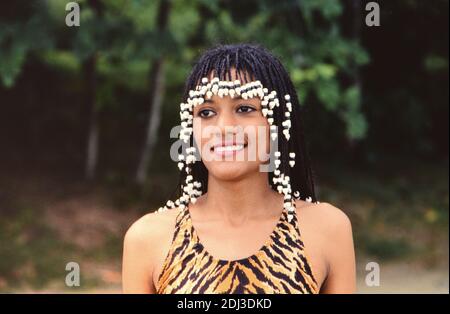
(16, 41)
(434, 63)
(311, 38)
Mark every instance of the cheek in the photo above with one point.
(259, 139)
(197, 131)
(265, 139)
(203, 134)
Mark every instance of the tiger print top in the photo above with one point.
(280, 266)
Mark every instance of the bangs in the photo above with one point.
(244, 62)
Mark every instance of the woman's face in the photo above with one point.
(232, 135)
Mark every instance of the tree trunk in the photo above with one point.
(90, 74)
(356, 34)
(93, 134)
(154, 121)
(157, 79)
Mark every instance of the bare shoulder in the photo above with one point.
(324, 215)
(150, 228)
(144, 242)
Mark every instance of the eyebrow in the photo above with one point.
(210, 101)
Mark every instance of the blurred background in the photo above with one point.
(86, 113)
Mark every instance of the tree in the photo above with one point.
(157, 78)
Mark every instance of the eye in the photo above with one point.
(245, 109)
(206, 113)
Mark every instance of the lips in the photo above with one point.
(227, 148)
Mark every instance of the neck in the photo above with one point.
(238, 201)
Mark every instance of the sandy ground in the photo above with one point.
(406, 278)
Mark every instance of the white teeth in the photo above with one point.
(229, 148)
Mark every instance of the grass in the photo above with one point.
(395, 215)
(30, 250)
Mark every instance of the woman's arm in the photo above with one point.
(341, 277)
(137, 258)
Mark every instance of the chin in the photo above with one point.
(230, 170)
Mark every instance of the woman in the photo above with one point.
(247, 219)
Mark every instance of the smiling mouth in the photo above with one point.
(228, 149)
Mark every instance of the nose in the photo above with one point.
(226, 123)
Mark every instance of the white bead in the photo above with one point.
(290, 217)
(273, 136)
(287, 97)
(291, 163)
(286, 123)
(309, 199)
(260, 92)
(276, 172)
(277, 154)
(180, 165)
(197, 184)
(292, 155)
(277, 163)
(270, 120)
